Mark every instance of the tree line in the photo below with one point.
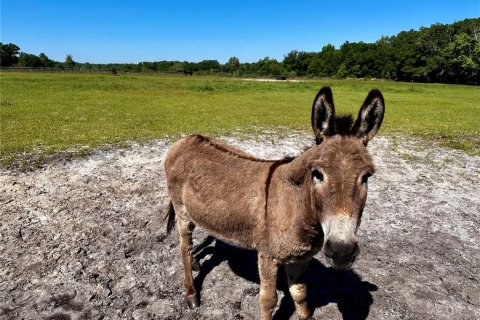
(447, 53)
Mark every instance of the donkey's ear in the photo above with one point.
(323, 114)
(370, 117)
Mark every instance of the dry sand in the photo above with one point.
(84, 239)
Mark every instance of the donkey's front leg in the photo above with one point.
(267, 268)
(297, 288)
(185, 229)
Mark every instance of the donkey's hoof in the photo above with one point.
(195, 265)
(192, 301)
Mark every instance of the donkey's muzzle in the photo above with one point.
(341, 255)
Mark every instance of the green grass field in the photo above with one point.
(44, 113)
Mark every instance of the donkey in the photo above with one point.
(286, 210)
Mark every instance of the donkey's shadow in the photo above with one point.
(325, 285)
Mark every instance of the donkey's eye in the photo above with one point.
(365, 177)
(317, 176)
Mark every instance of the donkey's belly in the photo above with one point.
(225, 214)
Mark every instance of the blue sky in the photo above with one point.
(103, 31)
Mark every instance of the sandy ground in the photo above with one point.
(84, 239)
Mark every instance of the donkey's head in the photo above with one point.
(339, 172)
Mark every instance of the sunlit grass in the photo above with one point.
(51, 112)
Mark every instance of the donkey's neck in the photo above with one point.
(295, 178)
(290, 208)
(296, 172)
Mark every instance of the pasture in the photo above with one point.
(45, 113)
(86, 239)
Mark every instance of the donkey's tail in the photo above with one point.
(170, 217)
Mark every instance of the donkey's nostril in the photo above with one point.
(329, 252)
(356, 251)
(342, 254)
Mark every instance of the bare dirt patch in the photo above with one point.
(84, 239)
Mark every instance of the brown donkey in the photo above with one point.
(286, 209)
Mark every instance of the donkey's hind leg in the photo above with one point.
(185, 229)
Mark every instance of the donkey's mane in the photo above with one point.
(343, 124)
(233, 152)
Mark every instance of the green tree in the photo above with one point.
(233, 64)
(29, 60)
(358, 61)
(315, 67)
(148, 66)
(269, 66)
(9, 54)
(384, 64)
(164, 66)
(464, 59)
(298, 62)
(69, 63)
(178, 66)
(290, 61)
(209, 65)
(330, 61)
(87, 66)
(406, 56)
(45, 61)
